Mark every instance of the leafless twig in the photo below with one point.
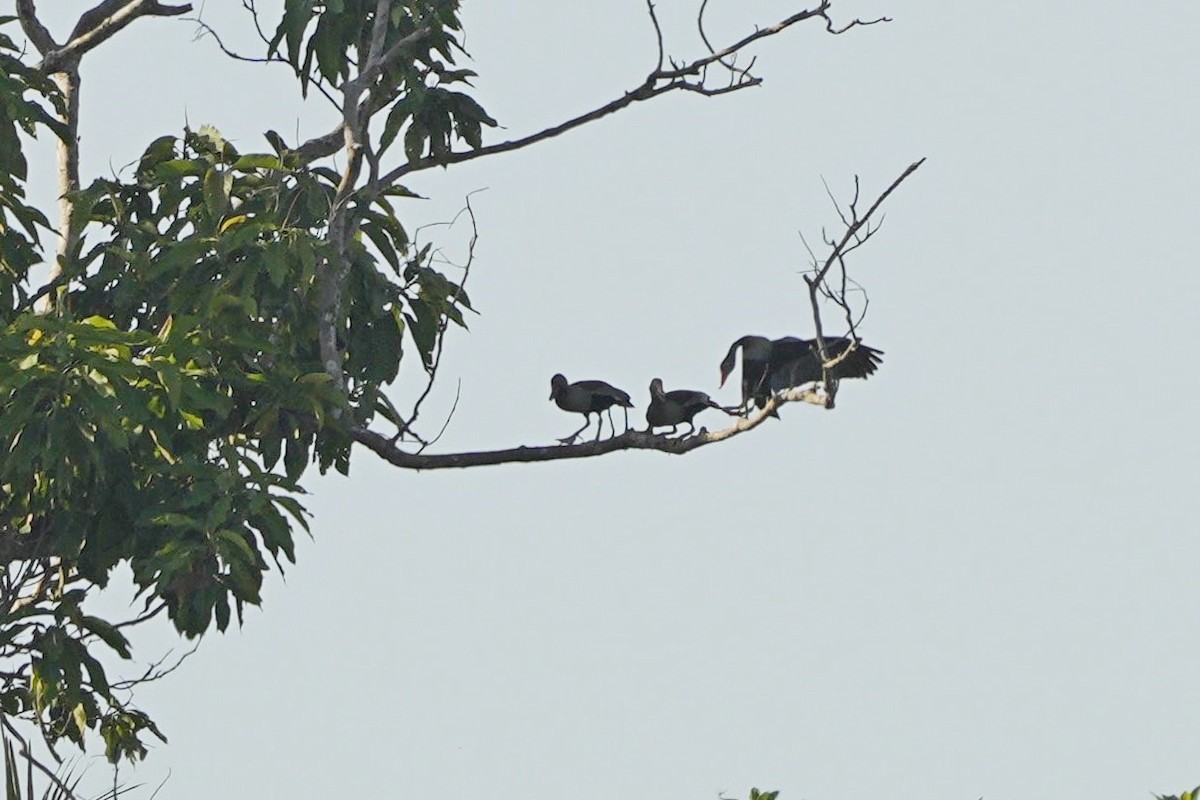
(659, 81)
(658, 34)
(443, 326)
(156, 671)
(857, 232)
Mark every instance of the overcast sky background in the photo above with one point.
(975, 577)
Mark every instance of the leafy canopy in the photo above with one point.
(164, 408)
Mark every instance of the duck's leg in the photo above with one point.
(571, 439)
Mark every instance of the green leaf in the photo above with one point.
(100, 322)
(107, 633)
(83, 202)
(465, 106)
(414, 141)
(238, 543)
(400, 112)
(257, 161)
(160, 150)
(277, 143)
(296, 456)
(221, 609)
(269, 448)
(218, 184)
(175, 169)
(396, 190)
(424, 329)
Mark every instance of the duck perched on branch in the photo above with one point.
(773, 366)
(756, 359)
(677, 406)
(795, 361)
(588, 397)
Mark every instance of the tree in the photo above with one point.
(216, 321)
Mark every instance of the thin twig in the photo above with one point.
(155, 671)
(658, 34)
(656, 83)
(444, 324)
(858, 232)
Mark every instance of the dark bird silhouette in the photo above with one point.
(795, 362)
(773, 366)
(588, 397)
(756, 358)
(676, 406)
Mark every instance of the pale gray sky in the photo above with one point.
(974, 578)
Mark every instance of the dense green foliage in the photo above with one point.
(163, 410)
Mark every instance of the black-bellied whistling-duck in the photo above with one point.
(588, 397)
(795, 361)
(676, 406)
(756, 357)
(772, 366)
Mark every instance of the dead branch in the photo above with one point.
(858, 232)
(38, 34)
(321, 146)
(155, 671)
(98, 25)
(686, 77)
(406, 426)
(658, 34)
(630, 440)
(856, 223)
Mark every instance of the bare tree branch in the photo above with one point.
(156, 671)
(205, 28)
(630, 440)
(858, 232)
(659, 81)
(321, 146)
(378, 64)
(856, 223)
(644, 92)
(69, 83)
(406, 427)
(100, 24)
(658, 34)
(38, 34)
(854, 23)
(378, 30)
